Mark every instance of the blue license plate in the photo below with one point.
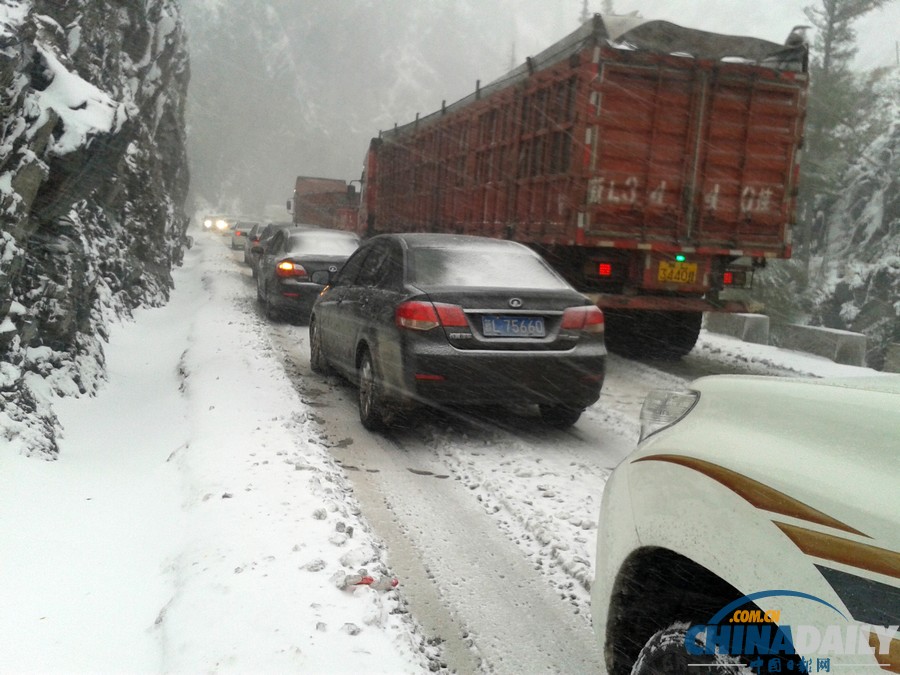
(493, 325)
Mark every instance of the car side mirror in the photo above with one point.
(321, 277)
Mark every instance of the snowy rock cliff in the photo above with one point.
(93, 177)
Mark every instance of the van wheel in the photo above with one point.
(665, 654)
(371, 400)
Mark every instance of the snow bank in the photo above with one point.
(192, 522)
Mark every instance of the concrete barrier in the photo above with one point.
(747, 327)
(840, 346)
(892, 358)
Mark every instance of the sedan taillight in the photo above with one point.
(417, 315)
(286, 268)
(588, 319)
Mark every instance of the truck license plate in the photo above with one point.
(677, 272)
(512, 326)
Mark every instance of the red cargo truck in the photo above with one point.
(323, 202)
(654, 166)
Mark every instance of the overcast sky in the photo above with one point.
(278, 92)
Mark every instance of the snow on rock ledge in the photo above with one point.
(93, 177)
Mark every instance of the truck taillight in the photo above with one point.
(418, 315)
(286, 268)
(605, 268)
(737, 278)
(588, 319)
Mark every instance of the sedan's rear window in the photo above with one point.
(322, 243)
(488, 268)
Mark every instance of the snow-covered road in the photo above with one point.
(208, 503)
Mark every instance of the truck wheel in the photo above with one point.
(665, 654)
(371, 400)
(559, 416)
(652, 335)
(317, 361)
(626, 333)
(681, 330)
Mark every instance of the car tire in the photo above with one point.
(317, 361)
(371, 400)
(559, 416)
(271, 311)
(665, 654)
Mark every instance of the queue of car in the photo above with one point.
(750, 506)
(432, 320)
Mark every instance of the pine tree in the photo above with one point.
(833, 110)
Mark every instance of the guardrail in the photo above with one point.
(840, 346)
(892, 358)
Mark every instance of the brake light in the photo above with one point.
(418, 315)
(588, 319)
(452, 316)
(286, 268)
(737, 278)
(604, 269)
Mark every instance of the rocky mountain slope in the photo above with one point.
(93, 178)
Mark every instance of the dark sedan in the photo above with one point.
(263, 237)
(251, 240)
(296, 264)
(441, 319)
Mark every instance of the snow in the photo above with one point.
(84, 108)
(191, 522)
(766, 360)
(11, 14)
(197, 518)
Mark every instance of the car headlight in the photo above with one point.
(221, 224)
(207, 223)
(664, 407)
